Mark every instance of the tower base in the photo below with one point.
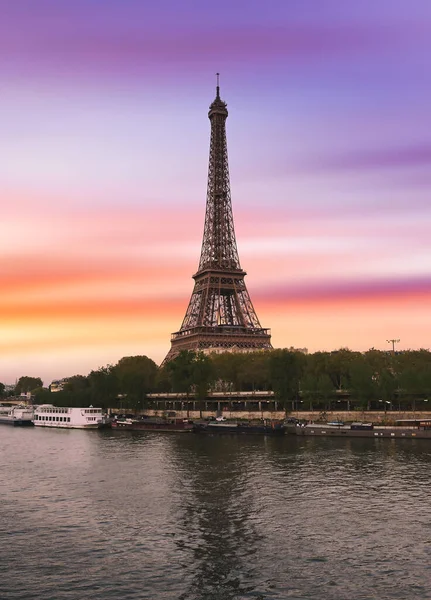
(222, 338)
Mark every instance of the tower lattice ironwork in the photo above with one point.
(220, 315)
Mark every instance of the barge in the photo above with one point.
(263, 427)
(158, 424)
(413, 429)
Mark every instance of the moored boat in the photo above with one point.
(416, 429)
(256, 427)
(47, 415)
(17, 416)
(157, 424)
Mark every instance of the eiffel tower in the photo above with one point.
(220, 316)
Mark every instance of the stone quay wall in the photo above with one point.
(377, 417)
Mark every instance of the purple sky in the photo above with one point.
(105, 147)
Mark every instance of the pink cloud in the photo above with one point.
(365, 291)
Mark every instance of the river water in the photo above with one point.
(125, 515)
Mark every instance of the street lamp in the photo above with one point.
(393, 342)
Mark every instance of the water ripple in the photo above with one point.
(108, 515)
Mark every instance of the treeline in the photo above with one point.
(340, 379)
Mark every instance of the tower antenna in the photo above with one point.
(218, 84)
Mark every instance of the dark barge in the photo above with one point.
(158, 424)
(413, 429)
(263, 427)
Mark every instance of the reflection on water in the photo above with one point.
(219, 519)
(141, 515)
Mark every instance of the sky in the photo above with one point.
(104, 158)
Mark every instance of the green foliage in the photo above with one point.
(286, 368)
(163, 380)
(387, 385)
(27, 384)
(363, 382)
(373, 378)
(202, 374)
(2, 390)
(316, 390)
(227, 369)
(254, 371)
(180, 371)
(104, 387)
(76, 384)
(242, 371)
(338, 365)
(136, 376)
(43, 396)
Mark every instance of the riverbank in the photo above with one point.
(377, 417)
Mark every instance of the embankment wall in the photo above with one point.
(345, 416)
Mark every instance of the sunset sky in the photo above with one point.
(104, 153)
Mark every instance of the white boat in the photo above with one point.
(48, 415)
(18, 416)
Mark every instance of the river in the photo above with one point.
(140, 515)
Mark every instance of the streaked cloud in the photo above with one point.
(342, 291)
(105, 144)
(66, 41)
(375, 159)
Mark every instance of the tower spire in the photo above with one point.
(220, 315)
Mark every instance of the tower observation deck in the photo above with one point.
(220, 315)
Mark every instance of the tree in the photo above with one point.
(227, 369)
(202, 375)
(387, 386)
(43, 395)
(136, 377)
(163, 381)
(338, 366)
(180, 371)
(2, 390)
(76, 384)
(286, 368)
(76, 392)
(253, 371)
(103, 387)
(316, 385)
(363, 382)
(317, 389)
(27, 384)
